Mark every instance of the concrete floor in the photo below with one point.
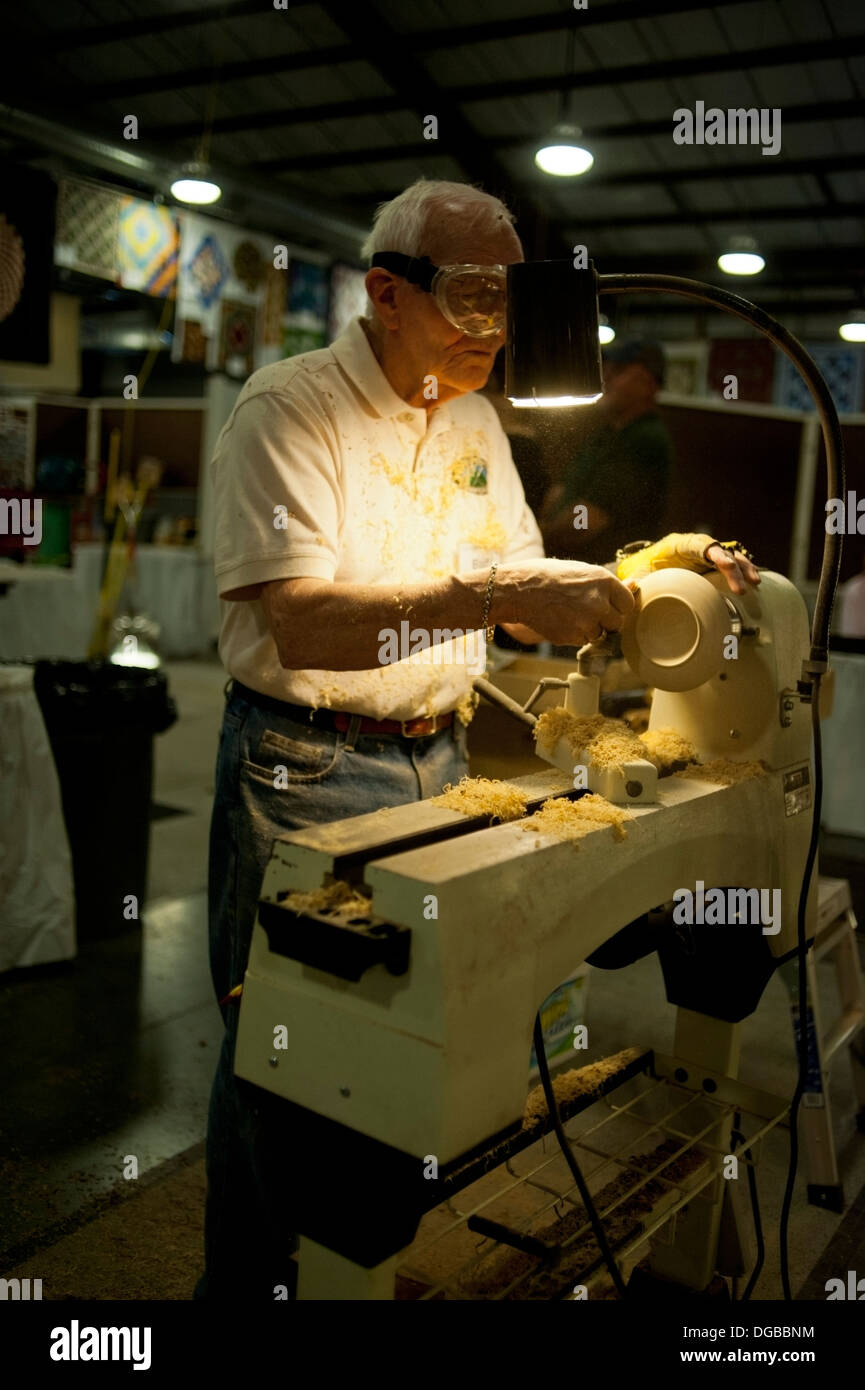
(111, 1056)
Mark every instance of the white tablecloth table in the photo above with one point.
(50, 612)
(37, 920)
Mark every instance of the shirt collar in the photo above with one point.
(354, 354)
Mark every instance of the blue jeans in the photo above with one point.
(328, 775)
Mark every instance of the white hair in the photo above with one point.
(405, 223)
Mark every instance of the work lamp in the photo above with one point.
(553, 358)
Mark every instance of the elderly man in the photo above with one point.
(366, 503)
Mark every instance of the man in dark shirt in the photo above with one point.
(621, 476)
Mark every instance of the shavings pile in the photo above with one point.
(335, 897)
(581, 1081)
(571, 820)
(665, 748)
(604, 742)
(611, 742)
(724, 772)
(483, 796)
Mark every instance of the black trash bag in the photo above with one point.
(101, 720)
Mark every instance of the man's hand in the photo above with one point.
(736, 568)
(566, 602)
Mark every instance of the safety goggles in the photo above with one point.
(471, 297)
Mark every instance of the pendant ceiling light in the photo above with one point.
(194, 185)
(853, 328)
(742, 257)
(562, 153)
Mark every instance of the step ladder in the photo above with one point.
(835, 937)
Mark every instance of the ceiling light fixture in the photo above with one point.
(742, 257)
(853, 328)
(194, 184)
(561, 153)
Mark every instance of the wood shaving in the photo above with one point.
(465, 710)
(724, 772)
(483, 796)
(604, 742)
(491, 535)
(338, 896)
(665, 748)
(579, 1081)
(571, 820)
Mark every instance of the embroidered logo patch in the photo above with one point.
(470, 471)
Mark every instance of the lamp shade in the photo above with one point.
(553, 355)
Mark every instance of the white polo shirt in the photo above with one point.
(323, 471)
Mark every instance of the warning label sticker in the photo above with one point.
(797, 790)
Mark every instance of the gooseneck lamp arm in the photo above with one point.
(828, 416)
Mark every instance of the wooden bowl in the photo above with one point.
(674, 638)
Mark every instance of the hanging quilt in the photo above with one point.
(87, 223)
(842, 366)
(220, 264)
(148, 242)
(237, 338)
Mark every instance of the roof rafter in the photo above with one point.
(774, 56)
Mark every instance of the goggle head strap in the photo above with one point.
(418, 270)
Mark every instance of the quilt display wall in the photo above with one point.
(842, 366)
(129, 241)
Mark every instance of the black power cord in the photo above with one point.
(817, 663)
(739, 1138)
(553, 1108)
(801, 957)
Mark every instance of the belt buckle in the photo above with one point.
(419, 733)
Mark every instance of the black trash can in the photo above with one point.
(101, 720)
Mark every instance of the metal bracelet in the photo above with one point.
(488, 597)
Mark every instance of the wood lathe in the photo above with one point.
(405, 1029)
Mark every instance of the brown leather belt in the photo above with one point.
(409, 728)
(339, 719)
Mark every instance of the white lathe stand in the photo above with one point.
(383, 1069)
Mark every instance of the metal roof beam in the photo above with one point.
(381, 154)
(404, 97)
(426, 39)
(790, 213)
(700, 173)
